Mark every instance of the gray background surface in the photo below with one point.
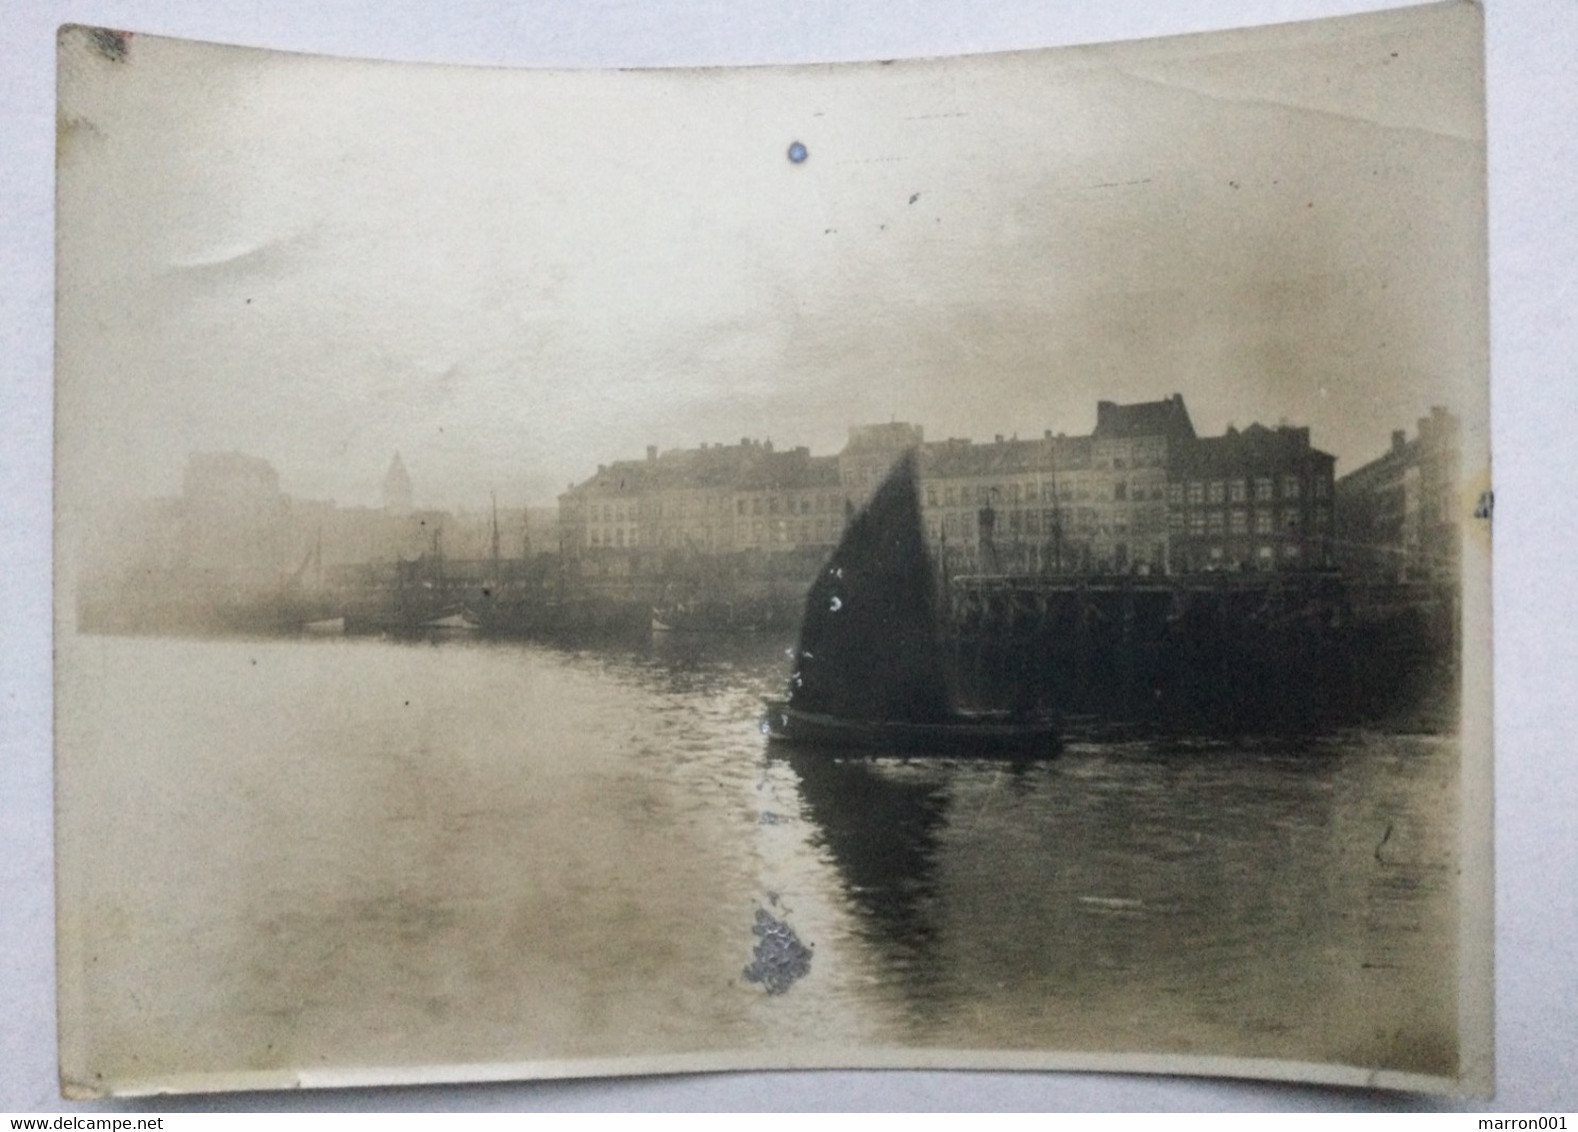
(1533, 140)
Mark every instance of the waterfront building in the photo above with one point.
(1141, 493)
(233, 518)
(714, 499)
(995, 508)
(1133, 451)
(789, 500)
(1059, 504)
(1398, 514)
(868, 454)
(1256, 499)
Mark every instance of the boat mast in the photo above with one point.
(494, 540)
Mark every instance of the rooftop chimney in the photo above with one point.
(1399, 438)
(651, 452)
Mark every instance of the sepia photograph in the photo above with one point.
(976, 562)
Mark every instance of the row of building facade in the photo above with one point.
(1400, 515)
(1142, 493)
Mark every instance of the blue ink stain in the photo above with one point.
(780, 959)
(797, 152)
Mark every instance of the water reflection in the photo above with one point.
(882, 823)
(1221, 897)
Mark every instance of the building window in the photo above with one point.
(1290, 519)
(741, 507)
(1238, 522)
(1290, 487)
(1175, 522)
(1196, 492)
(1120, 491)
(949, 497)
(1290, 552)
(1175, 493)
(1263, 488)
(1322, 487)
(1214, 523)
(1263, 521)
(1236, 491)
(1217, 491)
(931, 497)
(1197, 523)
(1264, 558)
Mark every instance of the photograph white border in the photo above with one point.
(1532, 337)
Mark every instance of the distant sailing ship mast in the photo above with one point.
(496, 573)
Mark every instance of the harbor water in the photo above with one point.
(287, 854)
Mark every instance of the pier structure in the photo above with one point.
(1229, 650)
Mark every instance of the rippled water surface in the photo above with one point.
(288, 854)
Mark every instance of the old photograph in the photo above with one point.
(976, 562)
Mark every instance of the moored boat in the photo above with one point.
(457, 621)
(326, 626)
(704, 617)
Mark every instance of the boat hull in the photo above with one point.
(962, 736)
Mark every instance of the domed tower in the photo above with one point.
(397, 488)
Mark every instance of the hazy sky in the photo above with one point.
(512, 276)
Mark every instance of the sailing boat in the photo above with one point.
(869, 672)
(317, 603)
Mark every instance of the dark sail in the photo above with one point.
(868, 642)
